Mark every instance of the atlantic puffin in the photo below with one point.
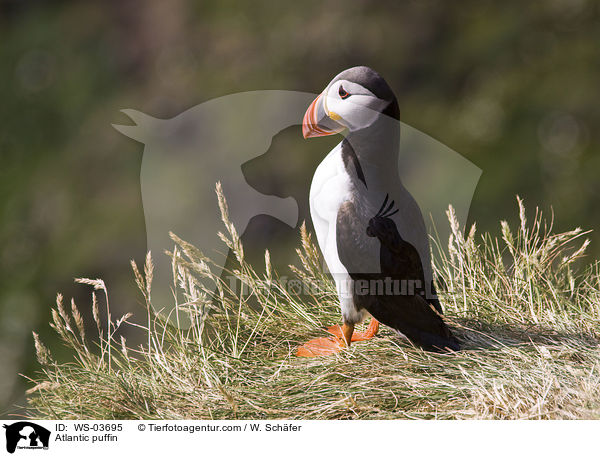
(369, 228)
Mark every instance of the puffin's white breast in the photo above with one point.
(330, 188)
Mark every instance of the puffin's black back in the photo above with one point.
(407, 311)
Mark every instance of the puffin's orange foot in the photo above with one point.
(369, 333)
(322, 346)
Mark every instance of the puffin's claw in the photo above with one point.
(357, 336)
(322, 346)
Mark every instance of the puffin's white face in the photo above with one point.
(352, 105)
(343, 104)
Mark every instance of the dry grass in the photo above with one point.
(527, 321)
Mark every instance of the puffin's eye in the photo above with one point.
(343, 93)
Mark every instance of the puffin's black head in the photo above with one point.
(354, 99)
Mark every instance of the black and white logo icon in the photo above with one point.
(26, 435)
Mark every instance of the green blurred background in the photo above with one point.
(513, 86)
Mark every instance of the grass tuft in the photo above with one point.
(526, 317)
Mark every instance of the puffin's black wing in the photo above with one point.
(399, 258)
(398, 307)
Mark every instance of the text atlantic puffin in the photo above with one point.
(369, 228)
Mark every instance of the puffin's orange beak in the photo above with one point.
(317, 123)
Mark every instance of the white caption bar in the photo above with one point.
(22, 437)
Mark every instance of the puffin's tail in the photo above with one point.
(432, 342)
(414, 317)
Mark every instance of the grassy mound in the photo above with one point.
(529, 325)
